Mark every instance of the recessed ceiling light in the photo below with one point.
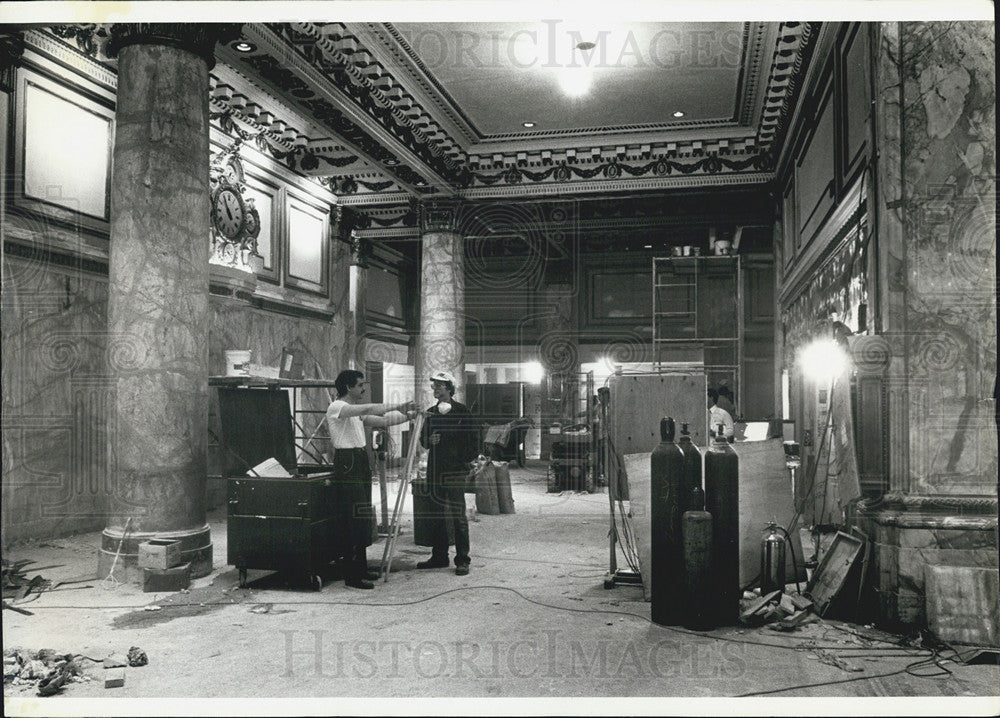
(647, 246)
(244, 46)
(678, 114)
(528, 125)
(574, 81)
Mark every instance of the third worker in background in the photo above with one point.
(451, 436)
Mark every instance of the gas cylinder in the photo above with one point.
(667, 559)
(772, 560)
(696, 530)
(692, 470)
(722, 501)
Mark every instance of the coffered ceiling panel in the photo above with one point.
(498, 76)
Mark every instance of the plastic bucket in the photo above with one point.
(237, 362)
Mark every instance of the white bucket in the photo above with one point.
(237, 362)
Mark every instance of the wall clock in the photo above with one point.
(229, 212)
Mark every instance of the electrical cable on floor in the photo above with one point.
(824, 684)
(909, 669)
(508, 589)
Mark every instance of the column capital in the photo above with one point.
(199, 39)
(438, 215)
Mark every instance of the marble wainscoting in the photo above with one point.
(57, 398)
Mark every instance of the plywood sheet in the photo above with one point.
(638, 471)
(638, 402)
(765, 495)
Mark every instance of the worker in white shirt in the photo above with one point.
(717, 415)
(350, 488)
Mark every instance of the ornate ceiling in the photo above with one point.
(384, 113)
(392, 111)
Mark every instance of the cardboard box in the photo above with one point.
(159, 553)
(168, 579)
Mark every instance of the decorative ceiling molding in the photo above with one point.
(400, 55)
(68, 52)
(606, 186)
(352, 107)
(792, 49)
(294, 66)
(387, 45)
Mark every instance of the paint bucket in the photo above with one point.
(237, 362)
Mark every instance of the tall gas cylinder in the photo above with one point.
(722, 501)
(692, 471)
(696, 530)
(667, 559)
(772, 560)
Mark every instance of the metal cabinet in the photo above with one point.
(278, 524)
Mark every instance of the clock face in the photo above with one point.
(233, 171)
(228, 213)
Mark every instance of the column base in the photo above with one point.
(910, 533)
(121, 558)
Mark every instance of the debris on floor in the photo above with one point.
(137, 657)
(114, 677)
(16, 585)
(44, 669)
(780, 611)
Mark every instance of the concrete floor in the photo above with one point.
(532, 620)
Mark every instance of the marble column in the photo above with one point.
(558, 351)
(441, 344)
(158, 317)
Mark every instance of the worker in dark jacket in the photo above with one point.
(451, 436)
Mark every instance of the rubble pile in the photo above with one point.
(782, 611)
(50, 672)
(47, 670)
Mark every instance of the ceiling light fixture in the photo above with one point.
(678, 114)
(528, 125)
(574, 81)
(244, 46)
(392, 162)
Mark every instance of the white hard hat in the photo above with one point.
(443, 376)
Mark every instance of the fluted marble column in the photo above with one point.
(158, 294)
(441, 344)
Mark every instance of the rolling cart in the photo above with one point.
(276, 524)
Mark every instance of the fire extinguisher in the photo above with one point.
(772, 560)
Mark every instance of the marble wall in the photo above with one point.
(937, 234)
(57, 388)
(56, 398)
(321, 345)
(949, 163)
